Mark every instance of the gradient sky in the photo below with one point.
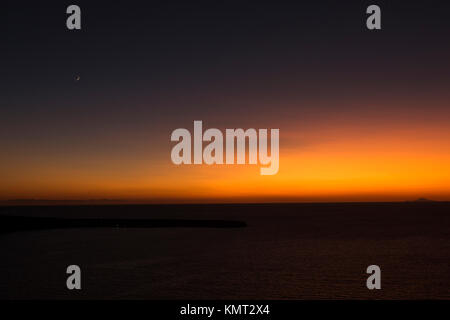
(363, 115)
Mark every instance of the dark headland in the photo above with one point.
(22, 218)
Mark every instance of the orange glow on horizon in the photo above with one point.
(333, 164)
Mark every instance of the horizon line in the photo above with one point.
(187, 202)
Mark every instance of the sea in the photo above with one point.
(289, 251)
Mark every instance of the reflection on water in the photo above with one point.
(287, 252)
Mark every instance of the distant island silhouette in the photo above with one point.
(424, 200)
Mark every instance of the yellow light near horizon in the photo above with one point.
(381, 166)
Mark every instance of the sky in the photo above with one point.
(363, 115)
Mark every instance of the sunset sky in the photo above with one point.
(363, 115)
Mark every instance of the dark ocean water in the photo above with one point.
(288, 251)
